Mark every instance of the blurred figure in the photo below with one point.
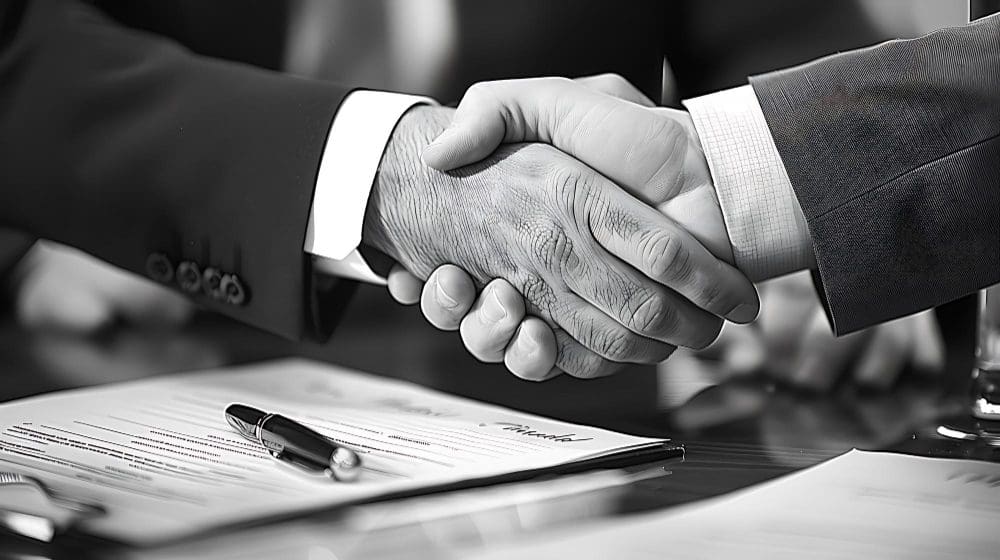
(792, 342)
(58, 288)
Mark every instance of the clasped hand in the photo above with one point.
(589, 215)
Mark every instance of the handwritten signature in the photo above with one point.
(525, 430)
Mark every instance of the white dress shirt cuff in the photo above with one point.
(354, 147)
(767, 229)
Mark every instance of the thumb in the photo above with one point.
(403, 286)
(476, 131)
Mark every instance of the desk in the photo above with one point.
(737, 434)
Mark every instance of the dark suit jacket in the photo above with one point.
(894, 154)
(118, 140)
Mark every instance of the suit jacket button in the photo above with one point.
(189, 277)
(159, 267)
(211, 283)
(236, 294)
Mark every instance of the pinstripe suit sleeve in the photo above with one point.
(893, 152)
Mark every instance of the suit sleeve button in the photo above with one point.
(189, 277)
(211, 283)
(159, 268)
(232, 286)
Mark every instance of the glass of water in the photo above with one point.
(986, 371)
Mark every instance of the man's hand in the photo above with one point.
(618, 280)
(652, 152)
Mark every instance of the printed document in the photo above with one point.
(159, 456)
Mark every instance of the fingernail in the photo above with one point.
(443, 298)
(526, 347)
(435, 144)
(743, 313)
(428, 153)
(493, 310)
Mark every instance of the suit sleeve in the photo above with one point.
(894, 155)
(162, 162)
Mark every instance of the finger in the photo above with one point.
(579, 361)
(490, 325)
(616, 86)
(477, 128)
(928, 353)
(821, 356)
(447, 296)
(404, 287)
(641, 150)
(639, 304)
(591, 327)
(531, 354)
(884, 358)
(666, 253)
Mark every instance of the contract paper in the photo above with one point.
(160, 457)
(858, 505)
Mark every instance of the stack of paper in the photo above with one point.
(160, 457)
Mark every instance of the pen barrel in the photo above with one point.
(282, 435)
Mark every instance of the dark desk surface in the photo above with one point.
(736, 434)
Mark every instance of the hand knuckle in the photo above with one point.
(666, 257)
(553, 249)
(618, 220)
(538, 293)
(559, 80)
(583, 364)
(616, 346)
(669, 322)
(616, 82)
(611, 342)
(477, 89)
(571, 186)
(646, 316)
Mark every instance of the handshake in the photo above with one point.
(588, 214)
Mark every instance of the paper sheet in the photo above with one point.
(161, 457)
(858, 505)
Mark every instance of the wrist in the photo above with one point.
(401, 170)
(768, 233)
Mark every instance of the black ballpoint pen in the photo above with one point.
(294, 443)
